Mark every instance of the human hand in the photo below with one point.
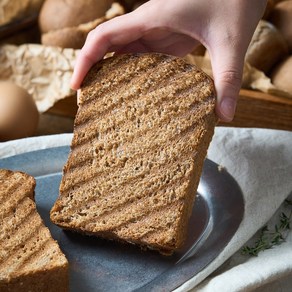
(174, 27)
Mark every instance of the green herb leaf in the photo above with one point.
(270, 238)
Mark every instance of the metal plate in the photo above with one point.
(101, 265)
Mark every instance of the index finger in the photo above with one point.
(107, 37)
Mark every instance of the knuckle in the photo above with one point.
(98, 30)
(90, 34)
(231, 77)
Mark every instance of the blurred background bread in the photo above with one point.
(281, 17)
(131, 4)
(69, 37)
(69, 28)
(57, 14)
(18, 21)
(270, 6)
(11, 10)
(74, 37)
(282, 75)
(267, 47)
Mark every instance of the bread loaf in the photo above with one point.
(30, 260)
(74, 37)
(11, 10)
(58, 14)
(281, 75)
(267, 47)
(270, 6)
(141, 134)
(281, 17)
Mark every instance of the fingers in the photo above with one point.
(82, 66)
(227, 36)
(227, 64)
(105, 38)
(169, 43)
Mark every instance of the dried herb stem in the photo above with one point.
(270, 238)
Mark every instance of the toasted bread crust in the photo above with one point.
(141, 134)
(30, 260)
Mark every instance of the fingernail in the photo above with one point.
(228, 106)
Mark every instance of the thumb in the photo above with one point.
(227, 67)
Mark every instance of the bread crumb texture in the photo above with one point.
(141, 134)
(30, 260)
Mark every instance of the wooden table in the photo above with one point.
(254, 109)
(260, 110)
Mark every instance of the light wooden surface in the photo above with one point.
(254, 109)
(260, 110)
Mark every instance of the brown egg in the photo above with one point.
(18, 112)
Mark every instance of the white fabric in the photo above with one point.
(15, 147)
(261, 162)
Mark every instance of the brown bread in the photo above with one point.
(266, 48)
(58, 14)
(30, 260)
(281, 17)
(74, 37)
(281, 75)
(141, 134)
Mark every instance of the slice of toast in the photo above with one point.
(141, 135)
(30, 260)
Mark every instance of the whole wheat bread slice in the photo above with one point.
(30, 260)
(141, 134)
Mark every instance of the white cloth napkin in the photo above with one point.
(261, 162)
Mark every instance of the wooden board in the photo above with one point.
(260, 110)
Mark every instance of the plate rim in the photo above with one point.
(155, 284)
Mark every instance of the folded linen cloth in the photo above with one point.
(261, 162)
(15, 147)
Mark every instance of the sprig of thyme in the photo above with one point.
(270, 238)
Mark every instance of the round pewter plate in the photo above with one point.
(101, 265)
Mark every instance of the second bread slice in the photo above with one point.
(30, 259)
(141, 134)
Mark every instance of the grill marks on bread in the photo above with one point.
(27, 249)
(141, 134)
(116, 110)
